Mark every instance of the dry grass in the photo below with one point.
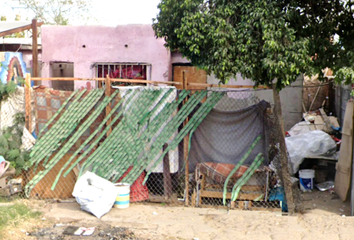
(15, 217)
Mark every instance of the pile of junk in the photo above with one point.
(314, 146)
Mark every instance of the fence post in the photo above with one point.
(185, 146)
(285, 172)
(108, 107)
(28, 117)
(167, 182)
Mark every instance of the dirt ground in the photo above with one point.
(326, 217)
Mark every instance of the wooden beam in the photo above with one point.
(104, 79)
(34, 49)
(203, 85)
(28, 117)
(167, 181)
(16, 30)
(241, 196)
(19, 29)
(108, 107)
(185, 146)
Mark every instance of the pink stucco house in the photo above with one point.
(95, 51)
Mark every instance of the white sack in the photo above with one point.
(96, 195)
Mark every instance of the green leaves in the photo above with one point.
(261, 39)
(10, 144)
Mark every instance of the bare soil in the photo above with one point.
(326, 217)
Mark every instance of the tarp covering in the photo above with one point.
(225, 136)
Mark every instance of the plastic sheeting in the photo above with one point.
(311, 144)
(224, 136)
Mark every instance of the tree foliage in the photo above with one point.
(10, 144)
(58, 12)
(264, 40)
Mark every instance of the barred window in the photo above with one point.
(124, 71)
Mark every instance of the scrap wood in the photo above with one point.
(326, 121)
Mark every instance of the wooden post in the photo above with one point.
(285, 172)
(185, 146)
(28, 117)
(34, 49)
(167, 182)
(108, 107)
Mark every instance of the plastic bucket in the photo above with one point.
(123, 195)
(306, 179)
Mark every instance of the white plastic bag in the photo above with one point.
(95, 194)
(311, 144)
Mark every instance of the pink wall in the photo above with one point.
(103, 44)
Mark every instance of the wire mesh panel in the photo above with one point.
(180, 147)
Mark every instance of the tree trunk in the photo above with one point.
(285, 171)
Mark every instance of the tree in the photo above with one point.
(270, 42)
(264, 40)
(58, 12)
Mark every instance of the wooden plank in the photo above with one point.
(34, 48)
(334, 121)
(178, 84)
(42, 189)
(326, 120)
(167, 181)
(193, 74)
(28, 115)
(244, 187)
(162, 199)
(319, 123)
(103, 79)
(243, 196)
(344, 165)
(108, 107)
(185, 148)
(194, 197)
(16, 30)
(205, 85)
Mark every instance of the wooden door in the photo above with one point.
(192, 74)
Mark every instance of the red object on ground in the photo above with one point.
(138, 191)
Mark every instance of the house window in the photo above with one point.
(62, 70)
(124, 71)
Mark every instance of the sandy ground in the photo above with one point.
(326, 218)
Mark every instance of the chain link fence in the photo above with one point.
(198, 147)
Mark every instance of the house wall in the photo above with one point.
(291, 102)
(86, 45)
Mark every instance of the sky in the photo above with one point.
(119, 12)
(107, 12)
